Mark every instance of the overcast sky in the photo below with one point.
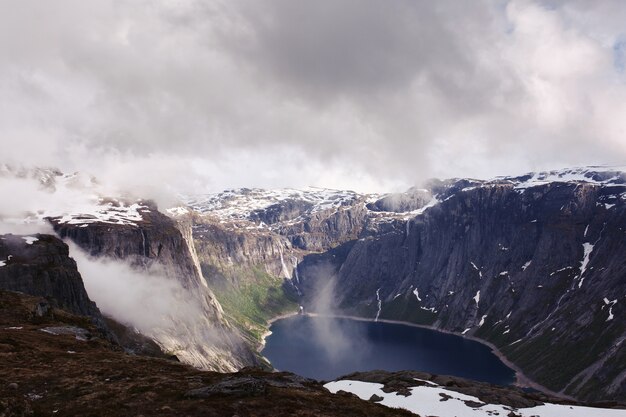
(369, 95)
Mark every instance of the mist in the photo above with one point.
(157, 306)
(144, 300)
(341, 341)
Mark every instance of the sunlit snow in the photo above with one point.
(428, 400)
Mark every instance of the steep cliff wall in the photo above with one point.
(533, 264)
(537, 271)
(150, 242)
(40, 265)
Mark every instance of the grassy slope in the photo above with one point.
(257, 298)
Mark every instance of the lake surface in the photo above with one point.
(325, 348)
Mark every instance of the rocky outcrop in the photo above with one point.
(224, 253)
(413, 199)
(40, 265)
(154, 242)
(325, 229)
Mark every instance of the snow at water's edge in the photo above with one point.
(426, 400)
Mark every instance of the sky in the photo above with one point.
(195, 96)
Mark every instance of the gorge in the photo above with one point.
(531, 265)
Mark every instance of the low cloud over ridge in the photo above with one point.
(368, 95)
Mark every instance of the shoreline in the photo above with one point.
(521, 380)
(268, 332)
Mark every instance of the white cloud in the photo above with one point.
(209, 95)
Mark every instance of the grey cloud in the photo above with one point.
(345, 93)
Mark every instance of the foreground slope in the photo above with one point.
(58, 364)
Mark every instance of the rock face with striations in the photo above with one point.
(533, 264)
(40, 265)
(139, 235)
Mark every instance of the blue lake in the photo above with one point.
(325, 348)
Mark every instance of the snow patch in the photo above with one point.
(526, 265)
(587, 249)
(380, 304)
(426, 400)
(177, 211)
(30, 239)
(482, 320)
(417, 294)
(598, 175)
(610, 304)
(477, 297)
(116, 212)
(480, 274)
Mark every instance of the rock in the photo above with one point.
(78, 332)
(410, 200)
(13, 386)
(45, 269)
(376, 398)
(233, 386)
(42, 308)
(444, 396)
(473, 404)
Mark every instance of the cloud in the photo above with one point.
(145, 300)
(195, 96)
(158, 306)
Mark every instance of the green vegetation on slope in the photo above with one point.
(258, 298)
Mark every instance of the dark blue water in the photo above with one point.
(325, 348)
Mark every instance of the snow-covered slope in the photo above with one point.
(44, 193)
(430, 399)
(599, 175)
(243, 203)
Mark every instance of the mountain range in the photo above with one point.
(533, 265)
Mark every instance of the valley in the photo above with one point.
(530, 266)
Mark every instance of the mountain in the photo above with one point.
(150, 256)
(68, 366)
(532, 264)
(139, 235)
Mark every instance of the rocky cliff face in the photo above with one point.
(40, 265)
(532, 264)
(535, 267)
(271, 229)
(149, 241)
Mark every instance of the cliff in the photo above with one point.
(538, 271)
(40, 265)
(532, 264)
(151, 242)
